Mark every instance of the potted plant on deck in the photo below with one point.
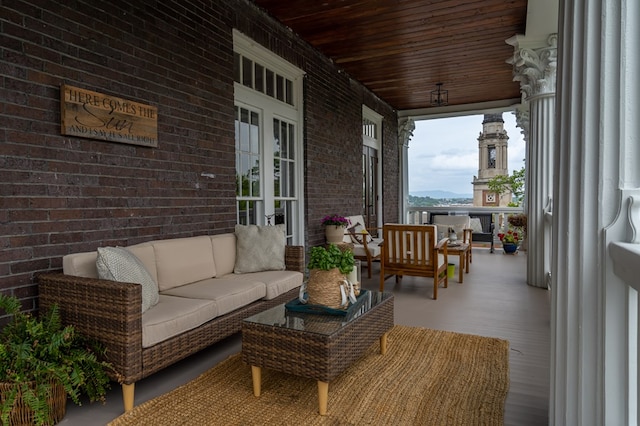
(519, 224)
(327, 284)
(41, 364)
(510, 241)
(334, 226)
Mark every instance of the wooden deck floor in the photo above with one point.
(494, 300)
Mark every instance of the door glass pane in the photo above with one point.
(291, 147)
(284, 134)
(247, 153)
(291, 177)
(248, 212)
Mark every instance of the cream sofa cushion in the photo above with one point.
(175, 315)
(147, 256)
(182, 261)
(275, 282)
(224, 253)
(80, 264)
(229, 295)
(259, 248)
(373, 247)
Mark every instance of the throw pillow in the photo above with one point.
(259, 248)
(119, 264)
(356, 234)
(476, 225)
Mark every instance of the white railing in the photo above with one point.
(416, 215)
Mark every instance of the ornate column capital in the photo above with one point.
(535, 68)
(405, 131)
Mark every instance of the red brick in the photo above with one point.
(62, 194)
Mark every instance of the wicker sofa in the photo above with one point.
(200, 301)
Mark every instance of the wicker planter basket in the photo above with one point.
(21, 414)
(323, 287)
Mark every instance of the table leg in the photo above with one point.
(467, 260)
(383, 344)
(323, 397)
(256, 376)
(461, 266)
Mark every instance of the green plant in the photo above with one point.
(514, 184)
(38, 351)
(331, 257)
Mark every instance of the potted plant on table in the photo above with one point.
(41, 364)
(327, 284)
(334, 226)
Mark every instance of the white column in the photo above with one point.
(597, 161)
(535, 68)
(405, 132)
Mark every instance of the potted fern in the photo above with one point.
(42, 363)
(327, 284)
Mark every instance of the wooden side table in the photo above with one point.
(462, 250)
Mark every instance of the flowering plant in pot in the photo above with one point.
(334, 227)
(335, 220)
(510, 241)
(42, 363)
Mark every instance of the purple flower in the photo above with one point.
(335, 220)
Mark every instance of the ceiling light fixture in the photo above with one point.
(439, 97)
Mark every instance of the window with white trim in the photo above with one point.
(268, 125)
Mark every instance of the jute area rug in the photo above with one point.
(427, 377)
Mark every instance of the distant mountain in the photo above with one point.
(440, 194)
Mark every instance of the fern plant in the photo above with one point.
(37, 352)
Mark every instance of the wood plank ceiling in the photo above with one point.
(400, 49)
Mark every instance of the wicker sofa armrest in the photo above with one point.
(294, 258)
(107, 311)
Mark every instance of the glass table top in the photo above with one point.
(280, 316)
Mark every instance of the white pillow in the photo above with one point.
(476, 225)
(259, 248)
(356, 234)
(119, 264)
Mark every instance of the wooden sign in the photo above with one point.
(94, 115)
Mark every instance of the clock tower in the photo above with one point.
(492, 144)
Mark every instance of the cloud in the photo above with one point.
(443, 153)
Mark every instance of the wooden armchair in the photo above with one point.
(412, 250)
(365, 246)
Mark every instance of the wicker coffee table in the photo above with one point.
(317, 346)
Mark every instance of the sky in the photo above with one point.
(443, 152)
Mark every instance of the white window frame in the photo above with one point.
(272, 108)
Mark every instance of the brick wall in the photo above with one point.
(64, 194)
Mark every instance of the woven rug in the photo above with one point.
(427, 377)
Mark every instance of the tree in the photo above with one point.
(514, 184)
